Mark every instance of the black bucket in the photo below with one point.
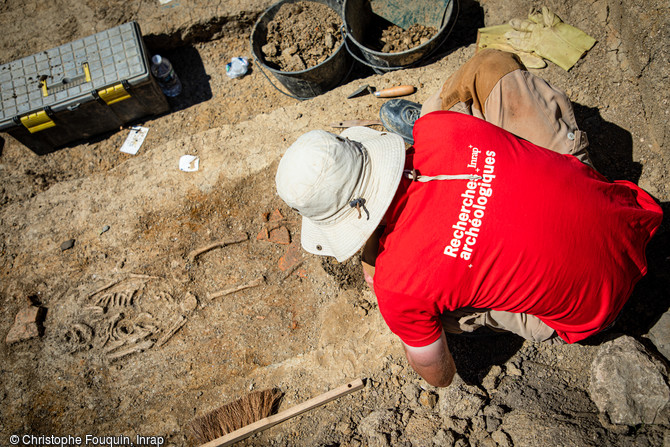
(313, 81)
(359, 19)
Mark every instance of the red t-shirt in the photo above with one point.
(541, 233)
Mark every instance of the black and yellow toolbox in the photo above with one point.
(78, 90)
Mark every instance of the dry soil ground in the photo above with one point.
(310, 325)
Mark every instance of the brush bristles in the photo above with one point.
(235, 415)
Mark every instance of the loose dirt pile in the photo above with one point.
(302, 35)
(396, 39)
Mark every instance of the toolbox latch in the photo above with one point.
(37, 121)
(113, 94)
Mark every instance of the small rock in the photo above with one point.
(375, 425)
(411, 392)
(67, 245)
(406, 415)
(280, 236)
(491, 380)
(329, 41)
(495, 411)
(30, 314)
(428, 399)
(461, 400)
(488, 442)
(189, 303)
(660, 335)
(105, 229)
(21, 332)
(344, 428)
(457, 425)
(275, 216)
(501, 438)
(513, 370)
(628, 384)
(263, 235)
(26, 324)
(444, 438)
(492, 423)
(269, 49)
(291, 258)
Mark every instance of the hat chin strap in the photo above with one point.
(413, 176)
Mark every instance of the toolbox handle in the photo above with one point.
(73, 107)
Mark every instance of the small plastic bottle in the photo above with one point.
(167, 79)
(237, 67)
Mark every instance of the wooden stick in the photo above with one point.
(275, 419)
(255, 283)
(233, 240)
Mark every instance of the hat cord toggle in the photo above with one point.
(358, 204)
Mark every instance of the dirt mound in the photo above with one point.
(302, 35)
(396, 39)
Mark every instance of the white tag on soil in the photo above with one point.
(135, 139)
(189, 163)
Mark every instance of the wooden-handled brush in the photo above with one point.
(234, 422)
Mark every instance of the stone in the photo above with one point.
(428, 399)
(459, 426)
(461, 400)
(280, 235)
(492, 423)
(490, 382)
(513, 370)
(21, 332)
(444, 438)
(26, 324)
(67, 245)
(292, 257)
(488, 442)
(189, 303)
(275, 216)
(411, 392)
(30, 314)
(501, 438)
(375, 425)
(659, 335)
(628, 384)
(263, 235)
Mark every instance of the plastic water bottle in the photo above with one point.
(237, 67)
(167, 79)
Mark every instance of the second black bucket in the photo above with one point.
(359, 20)
(314, 81)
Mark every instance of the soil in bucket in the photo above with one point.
(394, 39)
(302, 35)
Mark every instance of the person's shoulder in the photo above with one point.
(446, 121)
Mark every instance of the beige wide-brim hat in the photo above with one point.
(341, 185)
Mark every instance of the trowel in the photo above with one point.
(391, 92)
